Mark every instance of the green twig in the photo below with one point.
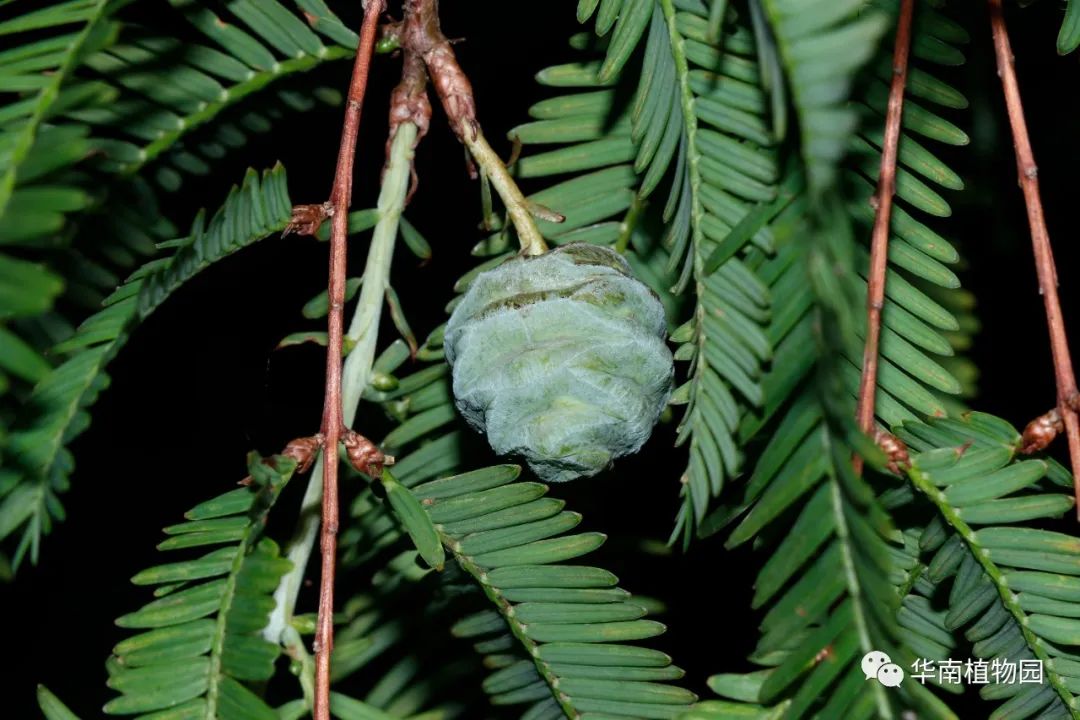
(1008, 597)
(492, 166)
(689, 117)
(851, 574)
(232, 95)
(364, 329)
(515, 626)
(26, 134)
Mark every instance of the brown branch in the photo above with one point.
(332, 424)
(409, 103)
(879, 243)
(422, 34)
(1040, 241)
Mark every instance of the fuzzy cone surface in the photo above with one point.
(561, 358)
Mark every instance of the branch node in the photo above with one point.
(304, 450)
(363, 454)
(1041, 431)
(409, 103)
(895, 451)
(423, 36)
(307, 219)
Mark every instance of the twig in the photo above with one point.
(423, 36)
(332, 425)
(1040, 241)
(879, 244)
(520, 210)
(409, 103)
(363, 332)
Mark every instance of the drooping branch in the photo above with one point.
(879, 243)
(1067, 394)
(363, 333)
(422, 34)
(332, 424)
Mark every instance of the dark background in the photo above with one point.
(200, 384)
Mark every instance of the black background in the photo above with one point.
(200, 384)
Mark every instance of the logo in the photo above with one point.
(878, 665)
(999, 671)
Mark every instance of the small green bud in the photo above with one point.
(384, 382)
(387, 44)
(305, 624)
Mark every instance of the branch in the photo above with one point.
(423, 36)
(521, 210)
(363, 333)
(332, 425)
(879, 244)
(1006, 595)
(364, 328)
(1040, 241)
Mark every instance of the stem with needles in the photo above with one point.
(364, 329)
